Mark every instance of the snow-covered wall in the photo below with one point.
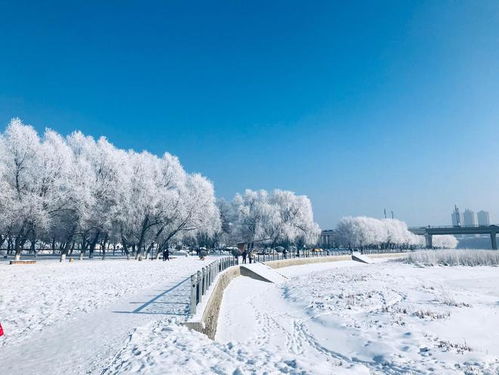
(301, 261)
(205, 320)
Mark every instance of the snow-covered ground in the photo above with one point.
(386, 318)
(345, 317)
(339, 317)
(72, 318)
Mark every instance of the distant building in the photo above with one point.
(483, 218)
(327, 239)
(456, 217)
(469, 218)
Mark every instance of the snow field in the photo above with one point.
(34, 297)
(398, 319)
(386, 318)
(341, 318)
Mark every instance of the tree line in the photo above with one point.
(371, 233)
(78, 193)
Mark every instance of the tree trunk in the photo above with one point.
(72, 248)
(93, 244)
(19, 245)
(125, 250)
(33, 247)
(9, 245)
(103, 246)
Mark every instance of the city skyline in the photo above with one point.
(469, 217)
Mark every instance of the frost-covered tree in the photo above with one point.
(444, 242)
(58, 191)
(273, 218)
(104, 166)
(24, 182)
(187, 210)
(78, 192)
(226, 235)
(362, 232)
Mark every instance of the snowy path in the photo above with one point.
(85, 342)
(256, 314)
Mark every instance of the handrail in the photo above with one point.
(202, 280)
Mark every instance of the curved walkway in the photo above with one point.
(84, 343)
(258, 314)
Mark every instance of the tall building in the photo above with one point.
(469, 218)
(483, 218)
(456, 217)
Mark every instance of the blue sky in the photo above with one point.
(359, 105)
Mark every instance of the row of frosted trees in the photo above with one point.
(269, 219)
(371, 233)
(77, 193)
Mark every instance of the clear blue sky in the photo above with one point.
(360, 105)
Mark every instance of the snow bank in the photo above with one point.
(454, 258)
(165, 347)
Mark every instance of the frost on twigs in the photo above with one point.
(453, 258)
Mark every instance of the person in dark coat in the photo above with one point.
(245, 254)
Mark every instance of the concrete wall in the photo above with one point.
(387, 255)
(300, 261)
(209, 318)
(249, 273)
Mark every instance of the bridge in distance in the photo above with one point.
(430, 231)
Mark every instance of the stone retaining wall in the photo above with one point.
(207, 324)
(387, 255)
(301, 261)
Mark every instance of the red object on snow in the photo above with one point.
(1, 330)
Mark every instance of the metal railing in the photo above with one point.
(299, 254)
(202, 279)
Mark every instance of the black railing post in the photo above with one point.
(193, 293)
(203, 285)
(198, 287)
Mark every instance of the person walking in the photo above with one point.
(166, 254)
(245, 254)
